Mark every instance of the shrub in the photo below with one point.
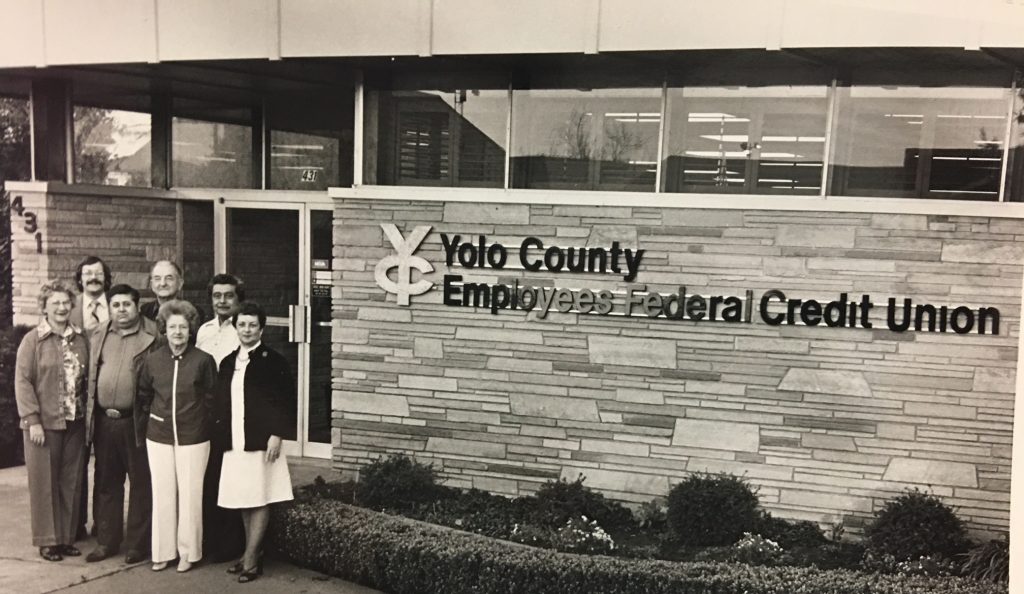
(752, 549)
(394, 554)
(339, 491)
(580, 535)
(651, 515)
(790, 534)
(397, 482)
(989, 561)
(915, 525)
(711, 510)
(559, 501)
(10, 433)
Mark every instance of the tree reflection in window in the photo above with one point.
(112, 147)
(586, 140)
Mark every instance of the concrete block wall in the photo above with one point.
(828, 423)
(128, 233)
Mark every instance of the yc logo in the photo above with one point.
(405, 261)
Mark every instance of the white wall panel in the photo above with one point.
(689, 24)
(881, 23)
(504, 27)
(1002, 25)
(21, 34)
(100, 31)
(352, 27)
(226, 29)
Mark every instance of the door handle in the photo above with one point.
(291, 323)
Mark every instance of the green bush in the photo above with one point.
(557, 502)
(397, 482)
(10, 434)
(400, 556)
(989, 561)
(711, 510)
(915, 525)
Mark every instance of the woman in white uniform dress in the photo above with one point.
(255, 411)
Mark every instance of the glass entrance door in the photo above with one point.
(282, 252)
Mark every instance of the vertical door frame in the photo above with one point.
(304, 206)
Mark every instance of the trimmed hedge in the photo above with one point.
(403, 556)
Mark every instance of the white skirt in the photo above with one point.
(247, 480)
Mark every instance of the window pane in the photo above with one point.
(586, 140)
(310, 141)
(1015, 164)
(197, 257)
(761, 140)
(211, 154)
(303, 161)
(112, 147)
(919, 142)
(448, 138)
(15, 144)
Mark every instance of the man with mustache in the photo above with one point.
(91, 309)
(93, 279)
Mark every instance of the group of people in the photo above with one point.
(192, 415)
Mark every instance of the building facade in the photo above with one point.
(629, 241)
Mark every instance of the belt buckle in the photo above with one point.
(113, 413)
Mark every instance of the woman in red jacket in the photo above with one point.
(175, 385)
(256, 402)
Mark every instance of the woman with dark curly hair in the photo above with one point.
(50, 387)
(175, 388)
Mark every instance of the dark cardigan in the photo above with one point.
(270, 400)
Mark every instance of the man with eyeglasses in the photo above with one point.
(91, 310)
(93, 279)
(166, 280)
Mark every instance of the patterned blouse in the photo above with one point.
(72, 385)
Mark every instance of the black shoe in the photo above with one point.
(249, 575)
(236, 568)
(69, 550)
(98, 554)
(50, 553)
(132, 557)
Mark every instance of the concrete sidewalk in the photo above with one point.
(22, 571)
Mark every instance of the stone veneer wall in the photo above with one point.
(827, 422)
(127, 233)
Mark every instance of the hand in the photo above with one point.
(273, 448)
(36, 435)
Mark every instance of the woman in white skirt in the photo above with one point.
(255, 412)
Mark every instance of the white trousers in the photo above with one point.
(177, 475)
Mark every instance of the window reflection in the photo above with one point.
(745, 140)
(112, 147)
(310, 140)
(449, 138)
(211, 154)
(586, 140)
(918, 142)
(15, 143)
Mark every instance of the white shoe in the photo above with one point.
(184, 566)
(160, 566)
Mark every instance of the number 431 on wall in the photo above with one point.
(31, 223)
